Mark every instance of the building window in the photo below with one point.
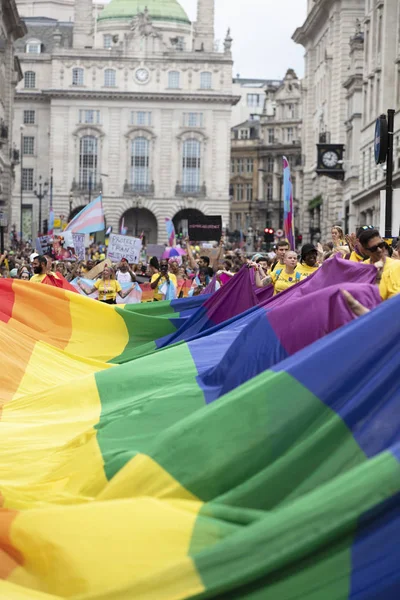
(174, 80)
(240, 165)
(238, 221)
(249, 165)
(88, 161)
(191, 165)
(28, 146)
(253, 100)
(205, 80)
(109, 78)
(29, 117)
(30, 80)
(33, 47)
(107, 41)
(270, 164)
(141, 118)
(233, 162)
(27, 180)
(271, 136)
(193, 119)
(249, 192)
(244, 134)
(290, 134)
(369, 166)
(77, 76)
(363, 170)
(89, 116)
(140, 163)
(269, 191)
(239, 192)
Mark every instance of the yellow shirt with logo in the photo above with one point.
(282, 280)
(108, 289)
(305, 270)
(355, 257)
(390, 282)
(39, 278)
(157, 293)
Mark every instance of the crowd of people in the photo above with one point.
(280, 268)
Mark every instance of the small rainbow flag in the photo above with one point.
(90, 219)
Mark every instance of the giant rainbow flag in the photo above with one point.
(189, 449)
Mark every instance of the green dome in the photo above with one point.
(159, 10)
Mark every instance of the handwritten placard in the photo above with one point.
(78, 240)
(124, 246)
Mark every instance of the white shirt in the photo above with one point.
(124, 277)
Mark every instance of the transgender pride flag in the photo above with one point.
(89, 220)
(288, 223)
(170, 231)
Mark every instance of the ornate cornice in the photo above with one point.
(120, 95)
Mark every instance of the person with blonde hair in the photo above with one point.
(107, 287)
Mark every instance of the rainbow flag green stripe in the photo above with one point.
(228, 465)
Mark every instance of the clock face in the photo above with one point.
(330, 159)
(142, 75)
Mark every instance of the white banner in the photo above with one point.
(124, 246)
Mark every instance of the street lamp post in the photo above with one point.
(21, 187)
(40, 192)
(266, 201)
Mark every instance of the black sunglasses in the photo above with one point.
(375, 248)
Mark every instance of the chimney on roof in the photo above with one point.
(83, 24)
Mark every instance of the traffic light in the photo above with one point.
(299, 239)
(269, 235)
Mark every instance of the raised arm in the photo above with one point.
(192, 261)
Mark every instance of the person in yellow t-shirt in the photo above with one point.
(41, 269)
(375, 247)
(283, 277)
(161, 277)
(389, 284)
(108, 287)
(308, 262)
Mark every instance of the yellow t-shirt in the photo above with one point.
(305, 270)
(108, 289)
(39, 278)
(282, 280)
(355, 257)
(390, 283)
(157, 293)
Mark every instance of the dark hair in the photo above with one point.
(42, 259)
(389, 249)
(361, 230)
(282, 243)
(366, 235)
(210, 272)
(205, 259)
(261, 258)
(306, 249)
(154, 263)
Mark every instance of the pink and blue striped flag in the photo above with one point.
(124, 230)
(90, 219)
(170, 231)
(288, 222)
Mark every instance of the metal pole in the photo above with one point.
(280, 202)
(40, 196)
(51, 188)
(21, 184)
(1, 239)
(389, 175)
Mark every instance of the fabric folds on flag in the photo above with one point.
(257, 458)
(288, 213)
(170, 231)
(89, 220)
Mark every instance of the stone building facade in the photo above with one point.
(135, 103)
(325, 35)
(258, 146)
(11, 28)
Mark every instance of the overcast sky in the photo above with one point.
(262, 32)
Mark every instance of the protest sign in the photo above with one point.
(204, 228)
(155, 250)
(213, 254)
(124, 246)
(93, 273)
(78, 240)
(42, 244)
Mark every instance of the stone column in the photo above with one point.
(83, 24)
(204, 31)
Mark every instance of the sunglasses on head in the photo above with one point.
(381, 245)
(367, 227)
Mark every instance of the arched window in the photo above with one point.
(140, 160)
(88, 162)
(174, 80)
(30, 80)
(33, 47)
(205, 80)
(191, 166)
(109, 78)
(77, 76)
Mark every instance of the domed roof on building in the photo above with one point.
(159, 10)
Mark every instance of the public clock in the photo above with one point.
(329, 159)
(142, 75)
